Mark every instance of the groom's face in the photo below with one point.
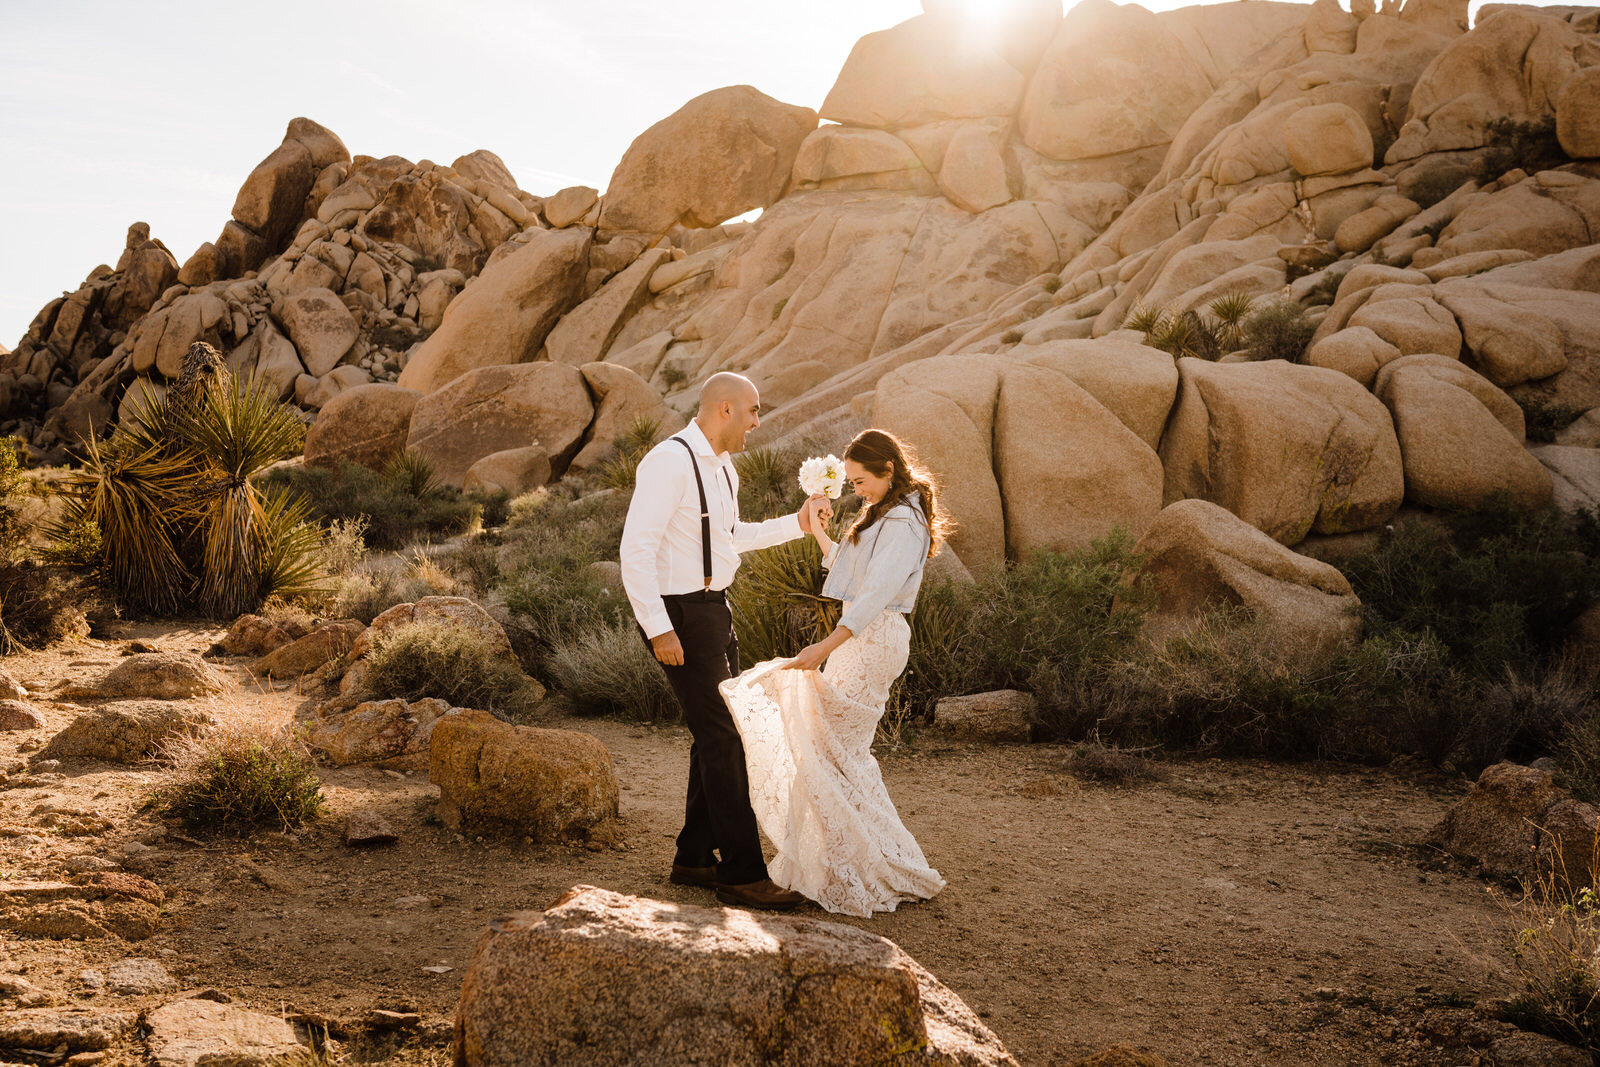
(746, 416)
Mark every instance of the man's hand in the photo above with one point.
(667, 648)
(815, 513)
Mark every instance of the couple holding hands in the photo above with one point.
(786, 745)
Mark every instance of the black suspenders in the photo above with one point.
(705, 513)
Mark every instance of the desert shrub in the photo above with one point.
(453, 663)
(1190, 334)
(608, 670)
(1532, 146)
(617, 470)
(1544, 420)
(182, 523)
(39, 605)
(1053, 283)
(1499, 587)
(1434, 186)
(1011, 337)
(1051, 625)
(1553, 937)
(1112, 765)
(768, 482)
(344, 546)
(402, 504)
(1326, 289)
(1280, 330)
(240, 778)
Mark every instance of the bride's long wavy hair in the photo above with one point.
(885, 455)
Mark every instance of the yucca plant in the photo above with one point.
(619, 469)
(412, 473)
(1147, 320)
(180, 520)
(1230, 312)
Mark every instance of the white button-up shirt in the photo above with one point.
(661, 552)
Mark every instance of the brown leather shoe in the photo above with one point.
(705, 877)
(765, 894)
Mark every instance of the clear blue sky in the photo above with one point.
(112, 113)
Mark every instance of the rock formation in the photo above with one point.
(953, 253)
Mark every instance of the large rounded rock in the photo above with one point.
(1510, 344)
(321, 328)
(1290, 449)
(622, 401)
(944, 408)
(506, 314)
(1355, 351)
(1411, 320)
(1327, 139)
(1200, 558)
(1497, 823)
(689, 984)
(845, 158)
(158, 675)
(126, 732)
(310, 652)
(1548, 213)
(496, 408)
(1082, 104)
(367, 425)
(513, 472)
(1136, 383)
(550, 785)
(378, 731)
(720, 155)
(1512, 66)
(1578, 114)
(586, 332)
(1070, 471)
(1457, 452)
(924, 70)
(272, 198)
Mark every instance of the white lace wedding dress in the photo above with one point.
(815, 787)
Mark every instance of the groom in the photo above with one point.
(680, 549)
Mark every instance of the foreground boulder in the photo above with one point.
(550, 785)
(158, 675)
(998, 716)
(378, 730)
(604, 978)
(129, 731)
(1516, 820)
(188, 1033)
(312, 651)
(1201, 558)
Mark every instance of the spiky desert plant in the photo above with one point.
(1230, 311)
(181, 521)
(411, 472)
(1147, 320)
(619, 469)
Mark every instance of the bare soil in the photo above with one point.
(1233, 913)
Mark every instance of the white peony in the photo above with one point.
(822, 474)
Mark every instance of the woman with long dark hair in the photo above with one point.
(807, 729)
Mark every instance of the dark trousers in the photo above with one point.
(717, 813)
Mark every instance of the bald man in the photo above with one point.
(680, 549)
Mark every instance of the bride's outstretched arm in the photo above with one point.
(812, 657)
(822, 514)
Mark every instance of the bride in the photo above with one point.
(816, 790)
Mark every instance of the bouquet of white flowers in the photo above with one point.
(822, 474)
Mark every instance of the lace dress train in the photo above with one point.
(815, 786)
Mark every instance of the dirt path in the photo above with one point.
(1236, 913)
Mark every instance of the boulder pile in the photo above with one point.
(952, 247)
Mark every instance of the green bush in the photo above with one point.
(1280, 330)
(182, 524)
(1190, 334)
(451, 662)
(1544, 420)
(239, 779)
(401, 505)
(609, 671)
(1530, 146)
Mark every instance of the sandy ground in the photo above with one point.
(1234, 913)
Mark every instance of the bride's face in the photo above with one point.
(868, 486)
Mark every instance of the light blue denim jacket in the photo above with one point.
(883, 570)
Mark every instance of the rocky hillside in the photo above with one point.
(954, 253)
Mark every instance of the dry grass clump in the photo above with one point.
(609, 671)
(242, 776)
(456, 664)
(1112, 764)
(1552, 932)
